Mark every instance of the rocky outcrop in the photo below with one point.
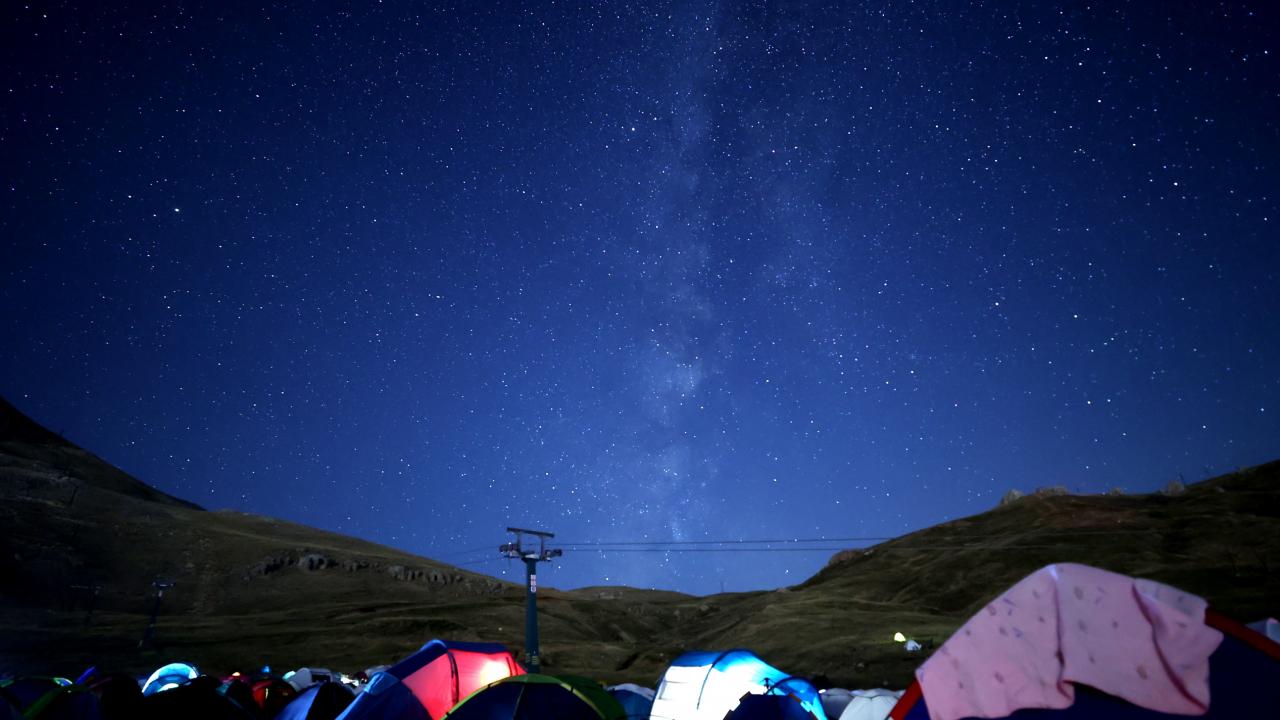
(316, 561)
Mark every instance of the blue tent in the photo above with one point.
(635, 700)
(708, 685)
(324, 701)
(169, 676)
(427, 684)
(1244, 682)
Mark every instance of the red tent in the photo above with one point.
(435, 678)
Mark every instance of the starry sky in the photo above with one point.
(643, 272)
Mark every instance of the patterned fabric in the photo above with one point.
(1135, 639)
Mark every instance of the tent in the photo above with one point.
(835, 700)
(303, 678)
(45, 698)
(324, 701)
(118, 694)
(708, 685)
(538, 697)
(1269, 627)
(870, 705)
(198, 699)
(169, 676)
(769, 707)
(636, 701)
(427, 684)
(1147, 651)
(271, 695)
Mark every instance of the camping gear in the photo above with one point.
(46, 698)
(169, 676)
(1125, 649)
(427, 684)
(539, 697)
(769, 707)
(323, 701)
(708, 685)
(636, 701)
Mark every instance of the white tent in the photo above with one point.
(303, 678)
(870, 705)
(708, 685)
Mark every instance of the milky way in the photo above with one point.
(675, 273)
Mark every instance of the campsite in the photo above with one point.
(234, 576)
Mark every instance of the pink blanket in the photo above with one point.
(1135, 639)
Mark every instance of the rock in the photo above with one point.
(266, 566)
(315, 561)
(1011, 496)
(400, 572)
(1053, 491)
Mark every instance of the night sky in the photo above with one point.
(669, 273)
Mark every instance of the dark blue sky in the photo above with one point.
(680, 272)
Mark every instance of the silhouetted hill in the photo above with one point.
(252, 590)
(52, 459)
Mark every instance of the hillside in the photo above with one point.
(252, 589)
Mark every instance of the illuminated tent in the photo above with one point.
(427, 684)
(271, 695)
(540, 697)
(709, 685)
(169, 676)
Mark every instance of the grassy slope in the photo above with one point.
(242, 596)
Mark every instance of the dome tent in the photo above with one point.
(537, 697)
(427, 684)
(708, 685)
(169, 676)
(323, 701)
(870, 705)
(769, 707)
(635, 700)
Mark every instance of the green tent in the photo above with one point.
(534, 697)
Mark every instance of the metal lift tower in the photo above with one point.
(531, 558)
